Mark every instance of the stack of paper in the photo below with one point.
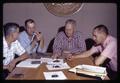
(30, 63)
(90, 70)
(56, 75)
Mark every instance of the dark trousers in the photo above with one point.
(5, 73)
(112, 74)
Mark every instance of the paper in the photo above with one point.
(29, 63)
(55, 62)
(51, 61)
(96, 69)
(90, 70)
(58, 66)
(45, 60)
(56, 75)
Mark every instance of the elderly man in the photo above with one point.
(31, 39)
(107, 46)
(69, 42)
(11, 46)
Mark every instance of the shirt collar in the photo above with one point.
(72, 36)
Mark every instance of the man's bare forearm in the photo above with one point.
(42, 43)
(84, 54)
(22, 57)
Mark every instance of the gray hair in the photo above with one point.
(10, 28)
(70, 21)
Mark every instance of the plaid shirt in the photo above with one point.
(61, 42)
(9, 52)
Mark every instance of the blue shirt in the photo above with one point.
(25, 42)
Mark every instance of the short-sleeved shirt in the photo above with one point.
(74, 45)
(10, 51)
(25, 42)
(109, 50)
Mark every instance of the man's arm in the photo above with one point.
(107, 53)
(84, 54)
(100, 60)
(12, 64)
(40, 40)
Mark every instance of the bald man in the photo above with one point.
(69, 41)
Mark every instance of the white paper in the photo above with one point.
(96, 69)
(60, 75)
(27, 63)
(45, 60)
(60, 61)
(51, 61)
(90, 70)
(61, 66)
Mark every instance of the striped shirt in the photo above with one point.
(9, 52)
(74, 45)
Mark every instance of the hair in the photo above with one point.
(70, 21)
(30, 21)
(102, 28)
(10, 28)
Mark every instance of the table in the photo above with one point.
(37, 73)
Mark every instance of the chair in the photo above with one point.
(50, 46)
(89, 43)
(22, 28)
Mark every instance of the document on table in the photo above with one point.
(90, 70)
(58, 66)
(51, 61)
(56, 75)
(29, 63)
(45, 60)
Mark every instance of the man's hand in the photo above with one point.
(33, 43)
(11, 65)
(55, 56)
(39, 36)
(69, 57)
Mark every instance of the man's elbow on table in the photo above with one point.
(100, 60)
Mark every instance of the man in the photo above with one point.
(68, 42)
(107, 46)
(11, 46)
(31, 39)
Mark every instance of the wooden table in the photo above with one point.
(37, 73)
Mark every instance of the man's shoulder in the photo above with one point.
(22, 34)
(15, 42)
(112, 39)
(61, 34)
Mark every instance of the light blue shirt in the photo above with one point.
(25, 42)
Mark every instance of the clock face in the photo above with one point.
(63, 9)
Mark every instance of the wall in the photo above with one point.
(87, 18)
